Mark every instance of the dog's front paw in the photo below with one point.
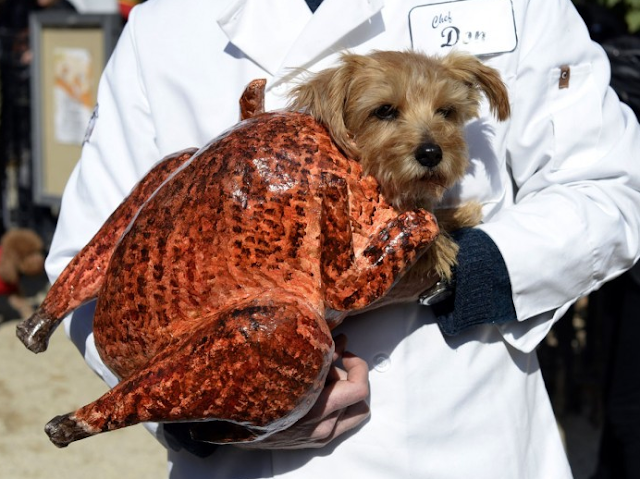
(442, 257)
(466, 215)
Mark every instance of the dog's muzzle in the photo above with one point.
(429, 155)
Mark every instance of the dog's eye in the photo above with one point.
(386, 112)
(446, 112)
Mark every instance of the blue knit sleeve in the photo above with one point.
(482, 293)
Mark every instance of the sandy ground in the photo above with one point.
(34, 389)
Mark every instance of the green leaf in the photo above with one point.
(633, 20)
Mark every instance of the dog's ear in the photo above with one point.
(9, 267)
(17, 244)
(478, 75)
(324, 96)
(32, 265)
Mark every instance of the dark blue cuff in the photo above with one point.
(178, 437)
(482, 293)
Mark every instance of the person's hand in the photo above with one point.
(340, 407)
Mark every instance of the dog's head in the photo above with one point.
(403, 115)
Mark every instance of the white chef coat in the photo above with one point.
(559, 183)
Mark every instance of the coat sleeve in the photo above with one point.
(573, 155)
(119, 148)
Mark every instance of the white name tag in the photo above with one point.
(479, 27)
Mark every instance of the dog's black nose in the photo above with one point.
(429, 155)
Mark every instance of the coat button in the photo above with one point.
(381, 362)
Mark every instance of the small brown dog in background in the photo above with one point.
(21, 254)
(403, 114)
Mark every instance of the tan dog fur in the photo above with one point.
(382, 107)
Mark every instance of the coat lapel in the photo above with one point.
(265, 30)
(332, 21)
(280, 36)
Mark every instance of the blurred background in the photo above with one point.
(51, 56)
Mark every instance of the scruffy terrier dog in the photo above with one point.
(404, 114)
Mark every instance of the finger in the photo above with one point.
(336, 374)
(303, 436)
(354, 388)
(346, 392)
(340, 342)
(356, 367)
(300, 436)
(324, 428)
(340, 422)
(352, 417)
(357, 371)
